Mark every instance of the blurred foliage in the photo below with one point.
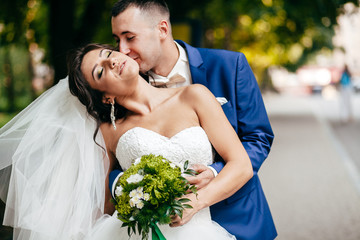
(21, 94)
(269, 32)
(5, 117)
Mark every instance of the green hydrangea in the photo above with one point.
(150, 192)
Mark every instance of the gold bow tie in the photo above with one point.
(165, 82)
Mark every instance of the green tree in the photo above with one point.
(270, 32)
(15, 19)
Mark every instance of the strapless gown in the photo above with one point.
(190, 144)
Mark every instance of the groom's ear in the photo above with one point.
(164, 29)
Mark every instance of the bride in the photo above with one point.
(56, 172)
(177, 123)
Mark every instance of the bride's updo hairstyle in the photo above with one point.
(80, 88)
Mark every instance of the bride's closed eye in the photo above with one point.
(101, 70)
(109, 53)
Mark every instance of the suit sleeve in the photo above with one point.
(253, 126)
(113, 177)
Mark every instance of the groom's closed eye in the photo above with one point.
(130, 38)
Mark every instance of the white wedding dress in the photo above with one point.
(52, 173)
(189, 144)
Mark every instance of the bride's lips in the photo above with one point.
(122, 67)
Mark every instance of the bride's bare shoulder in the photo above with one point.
(196, 92)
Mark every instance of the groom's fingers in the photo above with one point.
(203, 178)
(199, 167)
(175, 221)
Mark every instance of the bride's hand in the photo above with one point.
(188, 213)
(203, 178)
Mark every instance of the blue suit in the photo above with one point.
(227, 74)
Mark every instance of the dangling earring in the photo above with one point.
(112, 115)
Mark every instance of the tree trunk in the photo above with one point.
(9, 81)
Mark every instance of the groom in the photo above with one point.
(143, 32)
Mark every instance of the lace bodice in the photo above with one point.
(190, 144)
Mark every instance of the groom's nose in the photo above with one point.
(123, 47)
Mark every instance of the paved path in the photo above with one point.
(310, 178)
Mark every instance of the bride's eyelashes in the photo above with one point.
(101, 70)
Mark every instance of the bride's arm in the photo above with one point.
(109, 207)
(238, 169)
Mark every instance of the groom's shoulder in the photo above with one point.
(211, 52)
(220, 56)
(218, 52)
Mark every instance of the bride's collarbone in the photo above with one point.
(166, 124)
(165, 112)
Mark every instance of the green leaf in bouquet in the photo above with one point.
(167, 212)
(139, 228)
(178, 207)
(191, 172)
(186, 165)
(183, 200)
(187, 206)
(194, 189)
(125, 224)
(178, 212)
(133, 227)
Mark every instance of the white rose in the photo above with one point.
(132, 202)
(118, 190)
(139, 189)
(146, 196)
(135, 178)
(140, 205)
(139, 195)
(135, 200)
(133, 193)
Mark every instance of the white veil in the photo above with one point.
(52, 174)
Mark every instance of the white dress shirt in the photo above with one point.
(181, 67)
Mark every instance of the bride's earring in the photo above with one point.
(112, 115)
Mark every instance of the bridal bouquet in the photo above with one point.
(150, 192)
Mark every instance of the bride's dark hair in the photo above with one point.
(80, 88)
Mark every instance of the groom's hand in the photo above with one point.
(188, 213)
(203, 178)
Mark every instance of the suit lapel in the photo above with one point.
(198, 71)
(198, 75)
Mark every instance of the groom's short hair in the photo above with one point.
(144, 5)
